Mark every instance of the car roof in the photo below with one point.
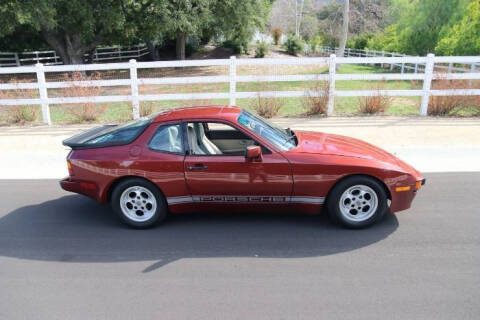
(199, 112)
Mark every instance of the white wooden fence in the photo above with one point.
(101, 54)
(401, 67)
(233, 78)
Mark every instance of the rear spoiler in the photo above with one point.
(78, 140)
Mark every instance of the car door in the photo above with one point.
(230, 179)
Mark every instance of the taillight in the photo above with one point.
(70, 170)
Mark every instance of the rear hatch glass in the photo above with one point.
(108, 135)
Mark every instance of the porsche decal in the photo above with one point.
(244, 199)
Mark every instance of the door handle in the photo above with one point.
(197, 167)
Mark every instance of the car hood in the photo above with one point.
(332, 144)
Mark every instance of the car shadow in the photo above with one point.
(76, 229)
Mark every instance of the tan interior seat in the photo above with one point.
(198, 141)
(205, 144)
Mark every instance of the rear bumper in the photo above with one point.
(86, 188)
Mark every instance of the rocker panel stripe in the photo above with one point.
(244, 199)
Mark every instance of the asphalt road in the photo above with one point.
(63, 256)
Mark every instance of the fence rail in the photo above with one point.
(402, 67)
(233, 78)
(101, 54)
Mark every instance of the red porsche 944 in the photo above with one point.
(226, 158)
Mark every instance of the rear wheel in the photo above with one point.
(357, 202)
(138, 203)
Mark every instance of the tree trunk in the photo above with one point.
(346, 18)
(153, 51)
(69, 47)
(180, 48)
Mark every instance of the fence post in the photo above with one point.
(472, 70)
(383, 55)
(450, 67)
(391, 64)
(134, 87)
(403, 65)
(331, 81)
(42, 90)
(17, 60)
(233, 76)
(427, 84)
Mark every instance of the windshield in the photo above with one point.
(280, 138)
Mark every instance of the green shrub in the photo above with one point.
(238, 46)
(23, 114)
(329, 41)
(387, 40)
(315, 44)
(359, 42)
(262, 49)
(294, 45)
(315, 100)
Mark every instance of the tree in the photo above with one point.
(346, 16)
(75, 27)
(234, 20)
(23, 38)
(386, 40)
(71, 27)
(365, 16)
(186, 17)
(237, 21)
(421, 23)
(295, 16)
(463, 38)
(145, 22)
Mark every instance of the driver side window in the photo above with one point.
(216, 138)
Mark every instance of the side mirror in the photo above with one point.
(253, 153)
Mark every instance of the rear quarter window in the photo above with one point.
(121, 134)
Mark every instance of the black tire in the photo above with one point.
(161, 205)
(333, 202)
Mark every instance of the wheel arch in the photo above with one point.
(107, 195)
(387, 190)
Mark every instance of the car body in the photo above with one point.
(221, 157)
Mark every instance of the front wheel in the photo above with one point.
(357, 202)
(138, 203)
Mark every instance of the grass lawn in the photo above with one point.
(290, 106)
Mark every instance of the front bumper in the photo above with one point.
(403, 200)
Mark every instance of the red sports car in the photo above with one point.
(226, 158)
